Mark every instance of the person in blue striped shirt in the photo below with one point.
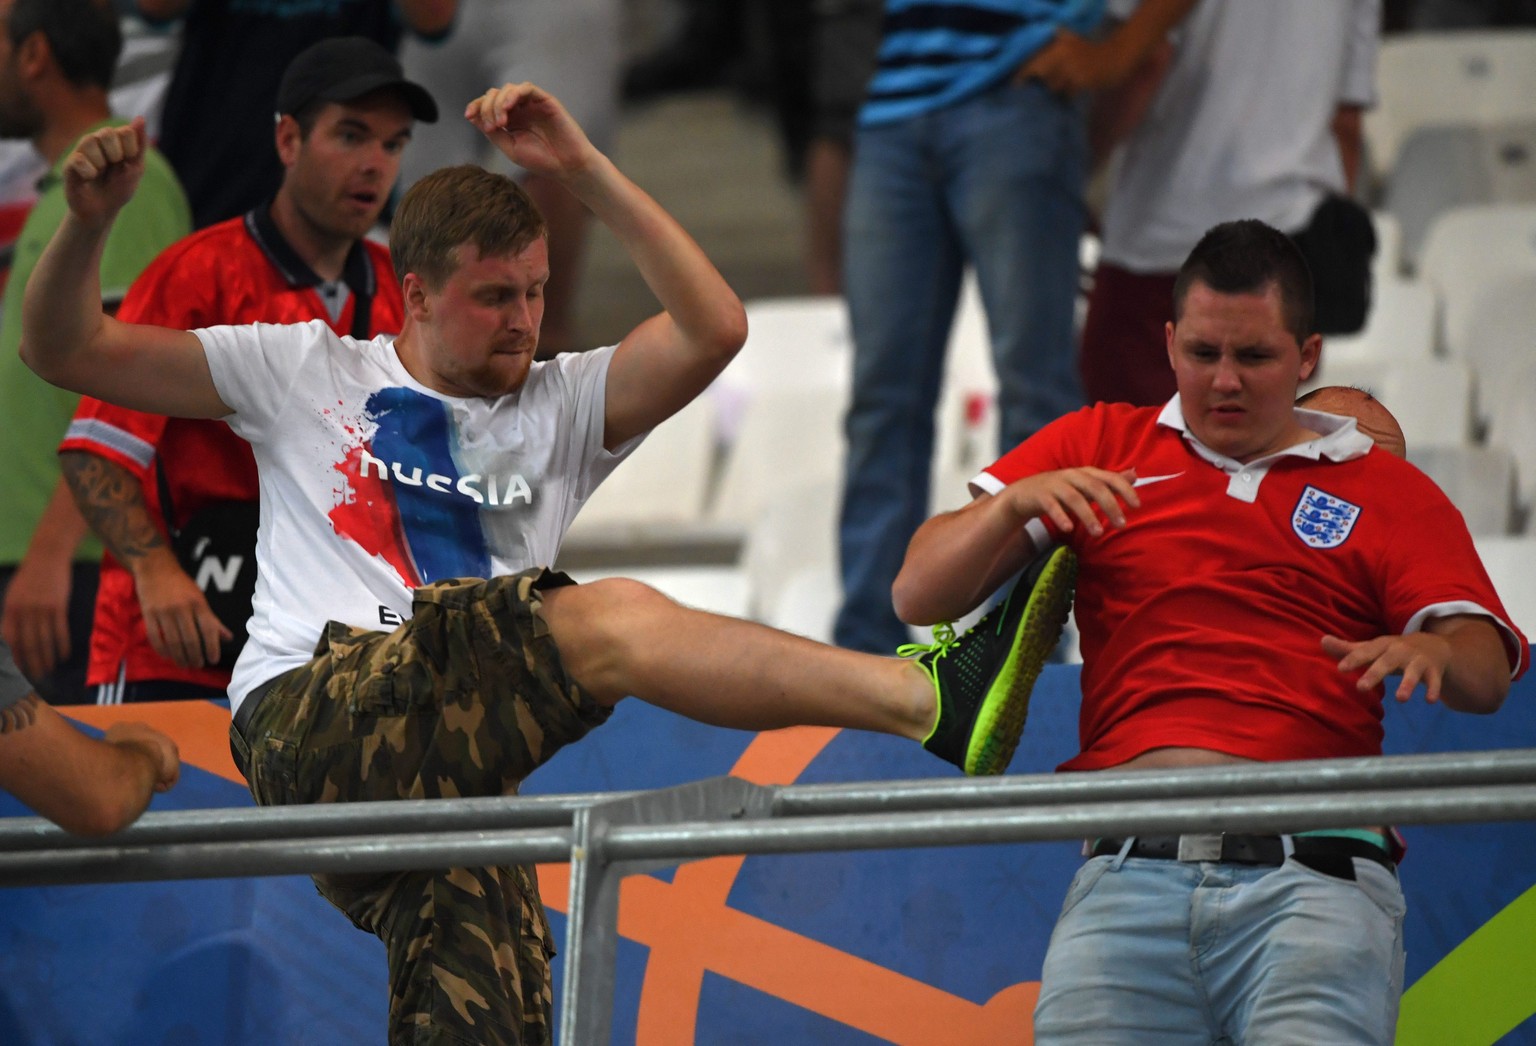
(970, 150)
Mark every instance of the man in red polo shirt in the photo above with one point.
(1249, 573)
(345, 113)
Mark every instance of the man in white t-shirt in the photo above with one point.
(406, 641)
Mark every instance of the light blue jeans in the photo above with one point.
(1179, 954)
(995, 182)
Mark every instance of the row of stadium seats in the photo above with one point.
(1454, 123)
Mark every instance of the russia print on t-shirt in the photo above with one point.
(417, 496)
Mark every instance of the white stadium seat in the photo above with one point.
(1511, 563)
(792, 343)
(1479, 480)
(1470, 250)
(665, 481)
(1431, 398)
(1424, 79)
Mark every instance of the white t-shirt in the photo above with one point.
(373, 485)
(1241, 126)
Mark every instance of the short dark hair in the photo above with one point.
(83, 35)
(1246, 257)
(457, 206)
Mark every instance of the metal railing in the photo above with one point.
(605, 836)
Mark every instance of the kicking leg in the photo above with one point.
(965, 698)
(620, 638)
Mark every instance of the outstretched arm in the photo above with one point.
(178, 621)
(85, 786)
(65, 335)
(669, 359)
(957, 559)
(1460, 660)
(1117, 111)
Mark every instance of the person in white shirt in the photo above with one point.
(1251, 109)
(407, 640)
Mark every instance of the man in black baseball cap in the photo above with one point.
(345, 118)
(345, 68)
(217, 120)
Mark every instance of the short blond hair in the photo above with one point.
(458, 206)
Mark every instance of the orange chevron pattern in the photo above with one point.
(690, 928)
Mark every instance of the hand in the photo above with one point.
(178, 622)
(1421, 657)
(160, 750)
(532, 129)
(1071, 496)
(1071, 64)
(100, 176)
(35, 619)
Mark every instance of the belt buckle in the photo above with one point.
(1200, 847)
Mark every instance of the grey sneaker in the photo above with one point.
(983, 679)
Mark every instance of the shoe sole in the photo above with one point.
(1000, 722)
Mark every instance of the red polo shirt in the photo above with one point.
(238, 271)
(1201, 619)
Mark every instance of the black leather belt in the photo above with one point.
(1243, 849)
(247, 707)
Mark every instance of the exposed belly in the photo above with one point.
(1180, 758)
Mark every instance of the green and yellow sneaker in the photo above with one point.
(983, 678)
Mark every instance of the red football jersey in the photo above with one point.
(234, 272)
(1201, 620)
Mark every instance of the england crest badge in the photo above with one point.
(1322, 520)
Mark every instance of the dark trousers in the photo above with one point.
(1123, 357)
(65, 685)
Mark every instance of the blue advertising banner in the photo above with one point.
(938, 946)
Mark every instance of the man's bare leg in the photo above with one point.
(621, 638)
(965, 698)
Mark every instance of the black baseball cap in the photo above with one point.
(341, 68)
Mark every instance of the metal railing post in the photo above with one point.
(592, 927)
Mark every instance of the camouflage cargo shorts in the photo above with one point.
(465, 699)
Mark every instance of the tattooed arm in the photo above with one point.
(86, 786)
(177, 619)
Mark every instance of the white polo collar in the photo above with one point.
(1339, 440)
